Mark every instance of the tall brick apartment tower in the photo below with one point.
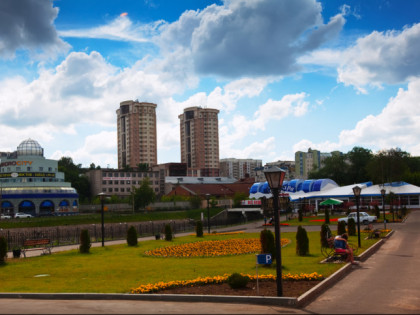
(200, 141)
(136, 123)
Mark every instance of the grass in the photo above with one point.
(119, 268)
(110, 217)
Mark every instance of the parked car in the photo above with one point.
(364, 217)
(5, 216)
(23, 215)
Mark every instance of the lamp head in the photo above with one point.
(102, 196)
(357, 190)
(383, 191)
(274, 176)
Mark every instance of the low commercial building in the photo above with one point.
(32, 184)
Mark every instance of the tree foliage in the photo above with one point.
(268, 245)
(143, 195)
(302, 242)
(75, 175)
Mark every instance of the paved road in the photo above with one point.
(387, 283)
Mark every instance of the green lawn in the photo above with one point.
(117, 269)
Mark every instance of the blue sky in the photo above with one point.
(285, 75)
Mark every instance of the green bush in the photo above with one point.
(325, 234)
(199, 228)
(302, 242)
(132, 236)
(300, 215)
(377, 212)
(3, 250)
(341, 227)
(84, 242)
(268, 245)
(168, 232)
(327, 216)
(351, 227)
(237, 281)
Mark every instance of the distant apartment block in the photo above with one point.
(288, 166)
(136, 131)
(305, 162)
(239, 168)
(199, 129)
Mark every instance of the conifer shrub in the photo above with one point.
(351, 227)
(300, 215)
(341, 227)
(3, 250)
(327, 216)
(268, 245)
(84, 242)
(168, 232)
(237, 281)
(199, 228)
(325, 234)
(302, 242)
(132, 238)
(377, 212)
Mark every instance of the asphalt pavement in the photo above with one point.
(386, 283)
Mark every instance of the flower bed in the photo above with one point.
(152, 288)
(211, 248)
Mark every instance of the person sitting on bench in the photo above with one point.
(341, 246)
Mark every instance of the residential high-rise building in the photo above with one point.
(239, 168)
(305, 162)
(137, 144)
(200, 141)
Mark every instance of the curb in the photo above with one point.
(299, 302)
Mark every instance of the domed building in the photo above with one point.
(32, 184)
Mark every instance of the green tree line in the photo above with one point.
(362, 165)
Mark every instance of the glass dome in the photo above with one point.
(30, 147)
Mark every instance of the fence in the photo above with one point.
(70, 235)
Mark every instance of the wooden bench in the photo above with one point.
(43, 244)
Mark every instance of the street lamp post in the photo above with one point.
(208, 212)
(357, 190)
(102, 197)
(383, 191)
(275, 177)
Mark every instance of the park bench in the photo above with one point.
(43, 244)
(332, 254)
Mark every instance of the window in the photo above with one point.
(50, 169)
(41, 168)
(28, 168)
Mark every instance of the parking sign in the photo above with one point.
(264, 259)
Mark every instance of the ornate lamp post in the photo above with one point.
(356, 191)
(208, 212)
(275, 177)
(383, 191)
(102, 197)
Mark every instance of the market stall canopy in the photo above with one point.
(330, 201)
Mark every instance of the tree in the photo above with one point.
(335, 168)
(75, 175)
(237, 198)
(388, 166)
(143, 167)
(84, 242)
(268, 245)
(143, 195)
(132, 238)
(359, 159)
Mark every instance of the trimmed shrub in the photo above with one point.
(84, 242)
(300, 215)
(325, 234)
(237, 281)
(327, 216)
(377, 212)
(3, 250)
(132, 236)
(268, 244)
(168, 232)
(341, 227)
(352, 227)
(199, 228)
(302, 242)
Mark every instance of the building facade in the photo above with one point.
(32, 184)
(239, 168)
(136, 131)
(288, 166)
(305, 162)
(117, 182)
(199, 129)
